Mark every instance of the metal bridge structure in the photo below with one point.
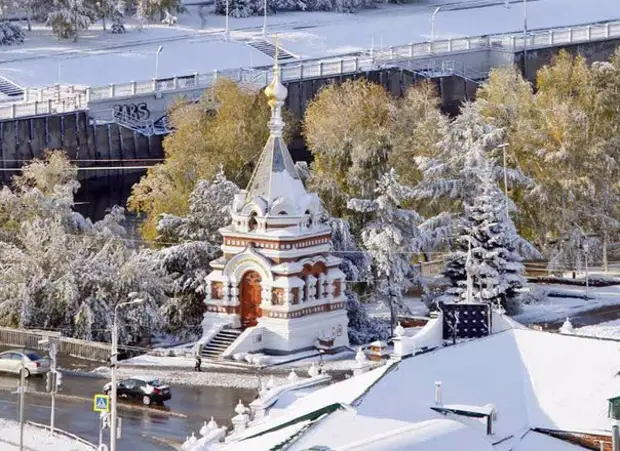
(470, 57)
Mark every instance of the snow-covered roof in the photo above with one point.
(382, 434)
(533, 379)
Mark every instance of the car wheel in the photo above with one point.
(26, 373)
(146, 400)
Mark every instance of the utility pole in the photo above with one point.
(585, 251)
(525, 39)
(53, 351)
(159, 49)
(433, 26)
(391, 306)
(21, 390)
(265, 20)
(113, 359)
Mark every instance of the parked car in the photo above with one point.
(34, 364)
(141, 388)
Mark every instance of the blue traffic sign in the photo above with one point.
(101, 403)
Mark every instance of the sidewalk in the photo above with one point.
(35, 439)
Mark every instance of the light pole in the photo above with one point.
(585, 251)
(113, 357)
(21, 390)
(503, 147)
(525, 38)
(265, 20)
(227, 31)
(159, 49)
(433, 25)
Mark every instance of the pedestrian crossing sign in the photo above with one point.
(101, 403)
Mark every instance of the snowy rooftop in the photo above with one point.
(533, 379)
(99, 58)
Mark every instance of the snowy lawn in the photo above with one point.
(610, 329)
(35, 439)
(552, 309)
(100, 58)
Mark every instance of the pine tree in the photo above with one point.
(487, 248)
(11, 34)
(389, 237)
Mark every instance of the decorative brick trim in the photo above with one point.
(304, 311)
(278, 245)
(223, 309)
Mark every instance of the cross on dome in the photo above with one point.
(275, 176)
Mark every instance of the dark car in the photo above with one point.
(141, 388)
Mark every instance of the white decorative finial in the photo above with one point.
(212, 424)
(204, 430)
(567, 328)
(399, 330)
(360, 357)
(192, 439)
(292, 377)
(313, 371)
(240, 409)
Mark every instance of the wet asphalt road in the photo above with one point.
(140, 425)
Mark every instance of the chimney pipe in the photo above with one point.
(615, 438)
(438, 396)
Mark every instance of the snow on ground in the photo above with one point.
(189, 377)
(100, 58)
(35, 439)
(610, 329)
(552, 309)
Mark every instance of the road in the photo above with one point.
(140, 425)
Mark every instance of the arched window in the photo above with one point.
(306, 271)
(309, 221)
(253, 223)
(317, 269)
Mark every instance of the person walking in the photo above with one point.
(198, 357)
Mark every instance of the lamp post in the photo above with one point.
(113, 357)
(227, 30)
(265, 19)
(585, 252)
(525, 38)
(159, 49)
(433, 24)
(503, 147)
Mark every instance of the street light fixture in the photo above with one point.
(135, 301)
(433, 25)
(159, 49)
(265, 20)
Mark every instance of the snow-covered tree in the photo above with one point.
(11, 34)
(240, 8)
(69, 17)
(58, 270)
(187, 263)
(356, 267)
(487, 248)
(390, 237)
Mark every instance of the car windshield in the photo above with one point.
(33, 356)
(154, 383)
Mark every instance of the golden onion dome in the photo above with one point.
(275, 92)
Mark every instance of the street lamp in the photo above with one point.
(227, 31)
(503, 147)
(433, 24)
(135, 301)
(159, 49)
(586, 248)
(265, 20)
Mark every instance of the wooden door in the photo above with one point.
(250, 299)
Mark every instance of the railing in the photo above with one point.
(63, 433)
(331, 66)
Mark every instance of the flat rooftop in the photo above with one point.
(99, 58)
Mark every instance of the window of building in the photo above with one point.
(614, 408)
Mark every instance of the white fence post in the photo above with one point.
(391, 52)
(450, 45)
(175, 82)
(320, 68)
(357, 64)
(154, 84)
(606, 30)
(88, 94)
(411, 49)
(133, 88)
(468, 43)
(589, 33)
(36, 107)
(570, 35)
(111, 89)
(12, 111)
(49, 106)
(301, 71)
(341, 66)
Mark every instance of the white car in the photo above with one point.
(34, 364)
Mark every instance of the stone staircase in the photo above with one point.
(269, 49)
(220, 343)
(10, 89)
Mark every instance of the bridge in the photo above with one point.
(141, 106)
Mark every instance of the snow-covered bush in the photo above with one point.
(10, 34)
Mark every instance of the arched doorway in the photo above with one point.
(250, 299)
